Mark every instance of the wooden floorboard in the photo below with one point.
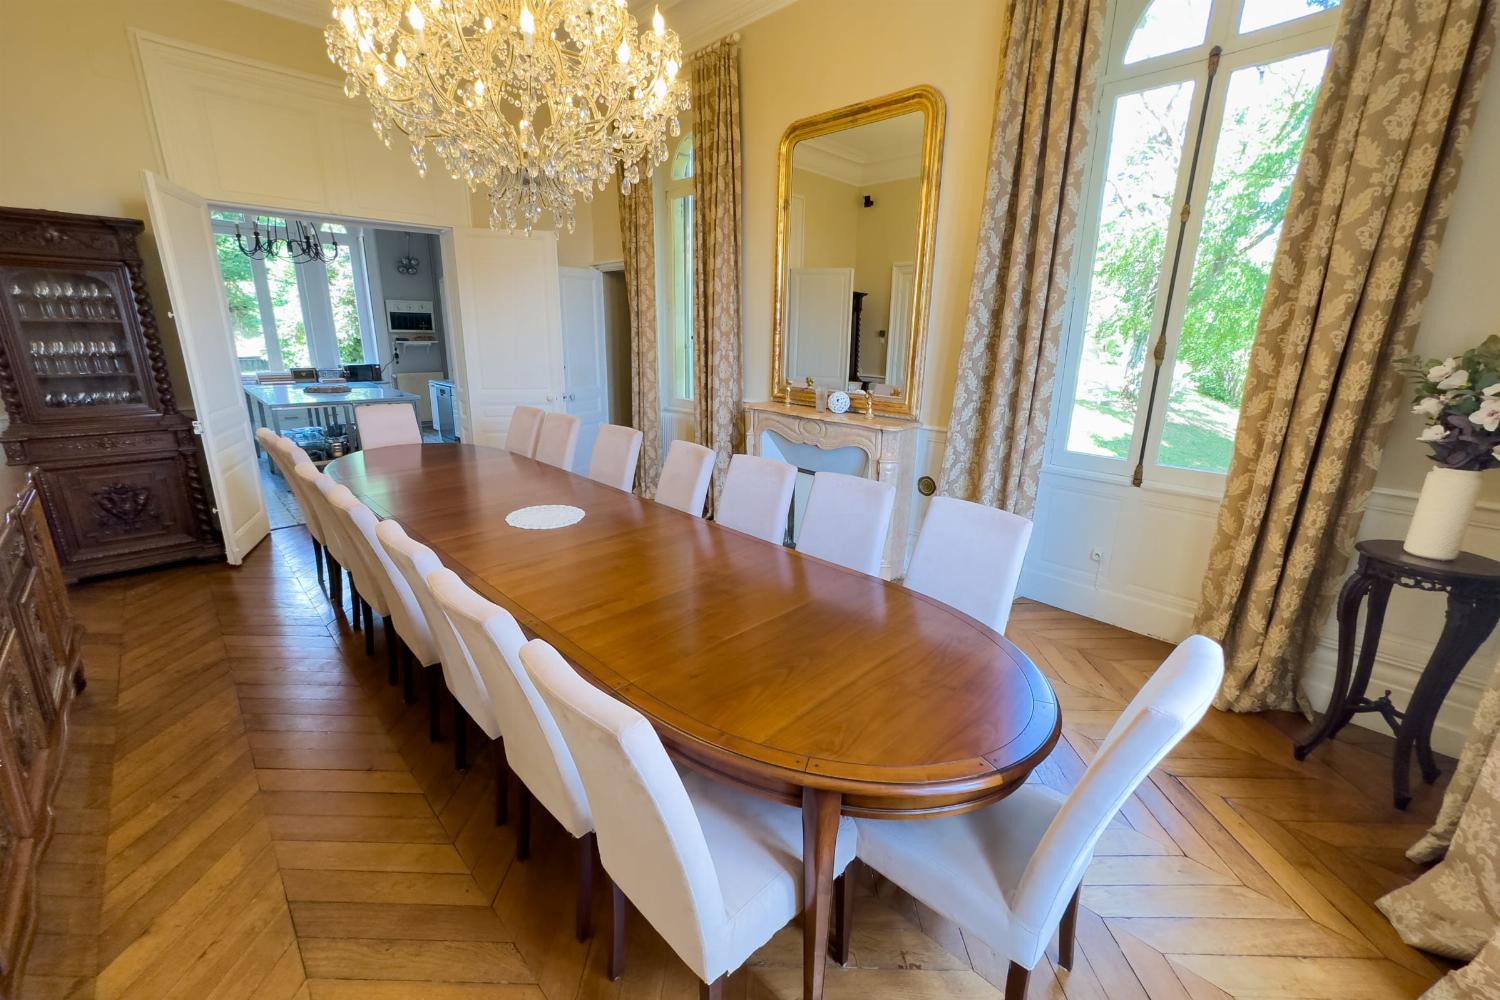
(249, 810)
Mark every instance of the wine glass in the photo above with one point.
(70, 299)
(43, 295)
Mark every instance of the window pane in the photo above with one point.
(286, 303)
(244, 306)
(1266, 113)
(1169, 26)
(345, 308)
(682, 160)
(1145, 149)
(1259, 14)
(682, 296)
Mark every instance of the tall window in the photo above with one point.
(1201, 119)
(677, 244)
(295, 315)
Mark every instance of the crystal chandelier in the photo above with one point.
(536, 104)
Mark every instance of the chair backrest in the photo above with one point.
(969, 557)
(384, 424)
(368, 576)
(416, 562)
(333, 534)
(294, 457)
(846, 521)
(650, 839)
(534, 748)
(685, 476)
(267, 439)
(558, 440)
(1165, 710)
(525, 424)
(616, 450)
(360, 523)
(757, 495)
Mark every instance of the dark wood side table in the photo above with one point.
(1472, 584)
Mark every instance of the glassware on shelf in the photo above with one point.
(43, 295)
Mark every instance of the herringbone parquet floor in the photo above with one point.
(250, 811)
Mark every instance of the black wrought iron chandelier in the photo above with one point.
(306, 245)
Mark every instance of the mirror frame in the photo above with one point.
(929, 102)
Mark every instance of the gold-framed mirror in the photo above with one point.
(856, 196)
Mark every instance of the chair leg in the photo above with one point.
(1015, 982)
(434, 703)
(616, 932)
(584, 924)
(1067, 931)
(502, 786)
(369, 629)
(392, 641)
(843, 916)
(354, 604)
(523, 823)
(335, 580)
(318, 560)
(460, 737)
(713, 990)
(408, 683)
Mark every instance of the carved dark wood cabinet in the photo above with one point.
(40, 671)
(90, 404)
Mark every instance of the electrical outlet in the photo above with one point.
(1096, 555)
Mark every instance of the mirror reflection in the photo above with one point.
(853, 213)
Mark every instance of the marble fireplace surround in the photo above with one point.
(889, 445)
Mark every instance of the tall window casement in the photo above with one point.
(1202, 113)
(676, 278)
(295, 315)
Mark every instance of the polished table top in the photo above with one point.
(776, 669)
(292, 394)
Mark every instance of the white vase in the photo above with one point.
(1442, 514)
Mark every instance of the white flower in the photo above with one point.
(1492, 389)
(1434, 432)
(1496, 452)
(1488, 414)
(1439, 372)
(1457, 380)
(1431, 408)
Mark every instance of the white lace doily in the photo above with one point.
(544, 517)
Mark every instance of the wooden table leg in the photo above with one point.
(1350, 599)
(820, 829)
(1467, 624)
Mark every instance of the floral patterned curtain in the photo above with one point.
(717, 199)
(1037, 158)
(638, 235)
(1354, 265)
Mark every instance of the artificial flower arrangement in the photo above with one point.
(1460, 397)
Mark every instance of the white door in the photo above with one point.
(898, 324)
(585, 361)
(508, 348)
(819, 311)
(191, 265)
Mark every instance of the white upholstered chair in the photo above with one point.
(969, 557)
(280, 451)
(715, 870)
(685, 476)
(534, 748)
(558, 440)
(525, 424)
(403, 613)
(315, 508)
(1010, 873)
(368, 588)
(416, 563)
(384, 424)
(846, 521)
(616, 451)
(757, 495)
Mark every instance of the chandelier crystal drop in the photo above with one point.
(538, 101)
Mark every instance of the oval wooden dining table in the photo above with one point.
(788, 676)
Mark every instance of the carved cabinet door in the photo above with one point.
(24, 733)
(104, 510)
(17, 849)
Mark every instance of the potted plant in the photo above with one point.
(1460, 397)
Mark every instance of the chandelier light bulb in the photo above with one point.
(623, 53)
(528, 20)
(415, 19)
(658, 23)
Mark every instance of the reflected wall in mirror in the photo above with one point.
(857, 196)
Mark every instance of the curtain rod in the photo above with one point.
(732, 38)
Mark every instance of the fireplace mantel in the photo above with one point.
(889, 445)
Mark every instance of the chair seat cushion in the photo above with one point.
(757, 852)
(966, 866)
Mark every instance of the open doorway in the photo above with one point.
(366, 309)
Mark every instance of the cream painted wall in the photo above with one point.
(887, 235)
(790, 68)
(831, 224)
(74, 113)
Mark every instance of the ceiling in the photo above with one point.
(697, 22)
(873, 153)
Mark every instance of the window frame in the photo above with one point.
(1274, 43)
(675, 321)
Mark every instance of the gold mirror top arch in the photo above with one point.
(899, 286)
